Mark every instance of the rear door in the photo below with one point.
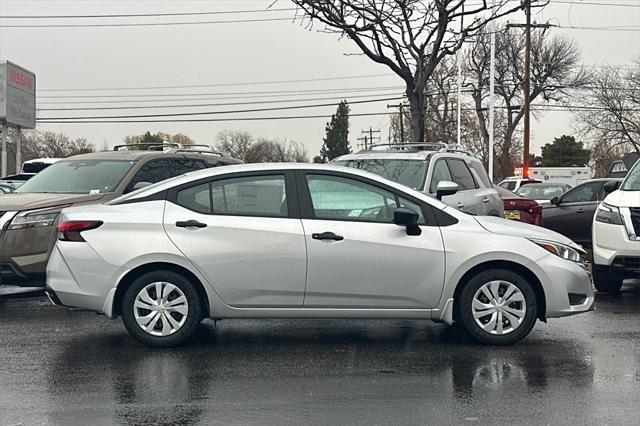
(574, 213)
(244, 234)
(358, 258)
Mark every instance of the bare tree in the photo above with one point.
(276, 151)
(234, 143)
(609, 112)
(555, 72)
(410, 37)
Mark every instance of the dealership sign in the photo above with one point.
(17, 96)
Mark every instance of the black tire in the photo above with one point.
(605, 281)
(464, 310)
(181, 334)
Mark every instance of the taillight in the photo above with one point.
(70, 230)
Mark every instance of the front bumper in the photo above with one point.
(613, 250)
(568, 287)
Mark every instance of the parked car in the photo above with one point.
(543, 193)
(520, 208)
(308, 241)
(27, 216)
(423, 166)
(616, 234)
(513, 183)
(29, 169)
(572, 213)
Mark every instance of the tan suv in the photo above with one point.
(27, 216)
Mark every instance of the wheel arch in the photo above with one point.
(137, 272)
(510, 266)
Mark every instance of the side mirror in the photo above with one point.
(445, 188)
(407, 217)
(611, 186)
(141, 185)
(555, 201)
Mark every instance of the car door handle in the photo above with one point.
(485, 200)
(327, 236)
(460, 205)
(579, 210)
(190, 224)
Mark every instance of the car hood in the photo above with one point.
(623, 198)
(18, 201)
(498, 225)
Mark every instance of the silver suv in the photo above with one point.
(443, 171)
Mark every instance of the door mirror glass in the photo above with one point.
(407, 217)
(445, 188)
(141, 185)
(611, 186)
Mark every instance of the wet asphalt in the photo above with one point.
(59, 366)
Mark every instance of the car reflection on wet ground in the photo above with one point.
(68, 367)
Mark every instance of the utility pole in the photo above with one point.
(365, 140)
(400, 106)
(526, 5)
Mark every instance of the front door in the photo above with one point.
(573, 215)
(358, 258)
(243, 234)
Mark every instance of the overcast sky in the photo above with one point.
(241, 53)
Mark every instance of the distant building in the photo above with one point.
(621, 167)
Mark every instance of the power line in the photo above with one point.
(589, 3)
(307, 91)
(144, 24)
(140, 15)
(218, 112)
(305, 80)
(209, 104)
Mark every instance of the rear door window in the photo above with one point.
(481, 172)
(152, 171)
(461, 174)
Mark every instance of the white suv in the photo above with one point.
(430, 168)
(616, 235)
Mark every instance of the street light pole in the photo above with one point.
(492, 87)
(527, 90)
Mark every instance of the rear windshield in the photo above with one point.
(79, 177)
(35, 167)
(408, 172)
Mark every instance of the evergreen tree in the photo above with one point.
(336, 142)
(564, 152)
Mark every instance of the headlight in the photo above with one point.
(609, 214)
(33, 220)
(561, 250)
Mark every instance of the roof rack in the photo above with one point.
(434, 146)
(198, 151)
(148, 146)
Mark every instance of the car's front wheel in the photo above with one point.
(161, 309)
(606, 281)
(497, 307)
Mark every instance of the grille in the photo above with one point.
(635, 219)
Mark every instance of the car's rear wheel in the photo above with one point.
(605, 281)
(161, 309)
(497, 307)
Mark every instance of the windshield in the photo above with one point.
(632, 182)
(79, 177)
(405, 171)
(540, 192)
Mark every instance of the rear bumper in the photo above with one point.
(86, 284)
